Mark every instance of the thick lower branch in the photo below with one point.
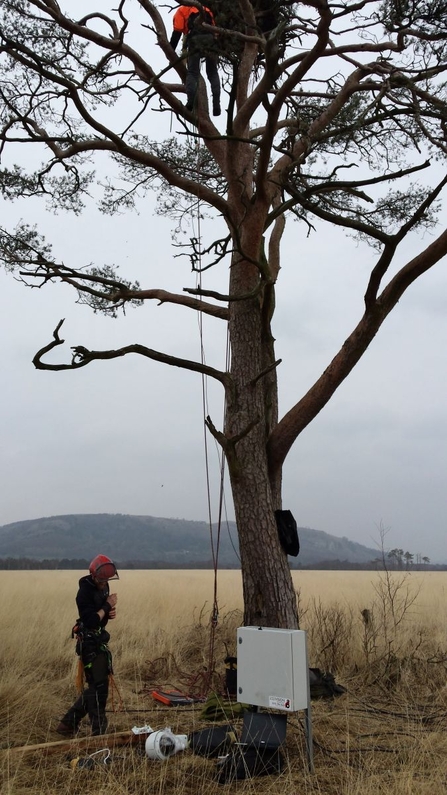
(294, 422)
(228, 298)
(82, 356)
(117, 293)
(173, 298)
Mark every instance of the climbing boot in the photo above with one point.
(65, 730)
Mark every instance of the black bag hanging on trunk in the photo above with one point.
(288, 532)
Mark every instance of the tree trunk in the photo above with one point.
(269, 595)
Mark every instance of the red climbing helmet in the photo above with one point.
(102, 569)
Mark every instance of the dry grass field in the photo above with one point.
(382, 635)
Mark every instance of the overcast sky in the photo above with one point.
(127, 436)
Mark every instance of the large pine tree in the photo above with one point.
(333, 112)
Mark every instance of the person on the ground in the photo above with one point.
(199, 43)
(96, 606)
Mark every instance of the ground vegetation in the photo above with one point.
(382, 637)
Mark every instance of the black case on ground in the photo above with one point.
(258, 753)
(212, 742)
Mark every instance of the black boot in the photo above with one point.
(65, 730)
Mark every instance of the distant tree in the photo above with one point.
(408, 559)
(426, 560)
(337, 116)
(395, 558)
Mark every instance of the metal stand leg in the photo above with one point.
(309, 739)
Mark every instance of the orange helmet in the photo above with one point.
(102, 568)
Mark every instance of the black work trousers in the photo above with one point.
(93, 700)
(201, 46)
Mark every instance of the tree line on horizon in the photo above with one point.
(395, 559)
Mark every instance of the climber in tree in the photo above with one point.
(188, 21)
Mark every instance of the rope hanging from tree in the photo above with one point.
(215, 544)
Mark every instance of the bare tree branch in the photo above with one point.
(298, 417)
(82, 357)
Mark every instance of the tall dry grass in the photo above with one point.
(382, 635)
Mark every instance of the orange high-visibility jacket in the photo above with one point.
(182, 14)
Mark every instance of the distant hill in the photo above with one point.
(127, 538)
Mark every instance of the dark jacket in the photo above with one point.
(89, 600)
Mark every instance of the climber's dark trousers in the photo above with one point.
(93, 700)
(201, 47)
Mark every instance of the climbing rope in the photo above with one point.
(115, 695)
(215, 544)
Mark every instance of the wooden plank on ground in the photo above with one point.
(111, 740)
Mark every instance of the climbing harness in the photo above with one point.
(90, 643)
